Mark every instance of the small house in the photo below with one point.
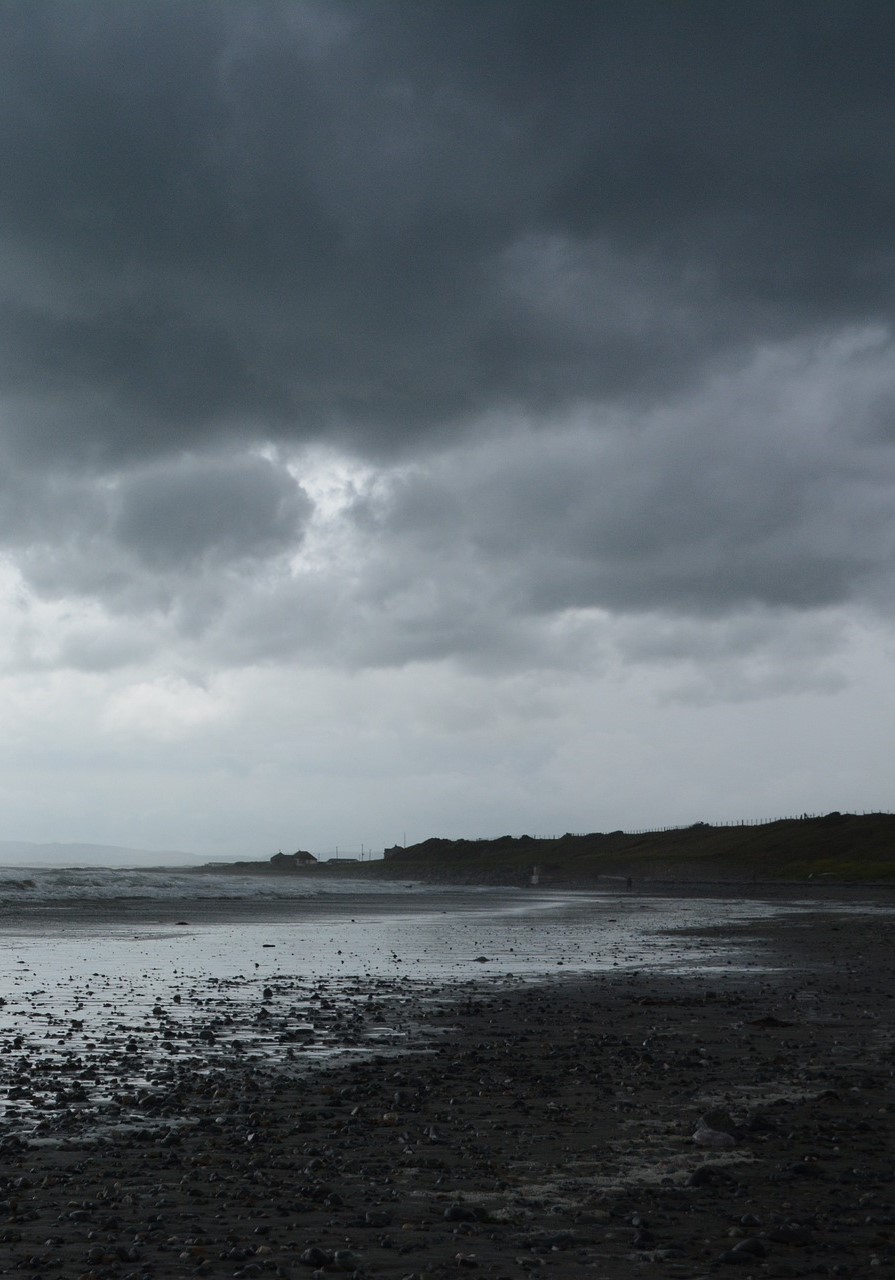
(289, 861)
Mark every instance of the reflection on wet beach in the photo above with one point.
(107, 1002)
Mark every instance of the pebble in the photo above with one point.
(714, 1138)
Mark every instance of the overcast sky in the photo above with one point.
(446, 418)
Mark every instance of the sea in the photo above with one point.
(121, 980)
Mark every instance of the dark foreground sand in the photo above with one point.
(544, 1131)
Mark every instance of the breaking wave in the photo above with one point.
(33, 885)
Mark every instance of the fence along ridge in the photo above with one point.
(749, 822)
(686, 826)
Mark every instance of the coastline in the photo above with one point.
(841, 848)
(537, 1125)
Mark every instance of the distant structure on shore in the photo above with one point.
(286, 861)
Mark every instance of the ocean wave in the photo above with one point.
(106, 884)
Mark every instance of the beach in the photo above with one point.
(721, 1098)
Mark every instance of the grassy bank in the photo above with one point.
(839, 847)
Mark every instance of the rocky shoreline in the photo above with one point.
(614, 1126)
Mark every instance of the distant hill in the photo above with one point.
(838, 847)
(24, 853)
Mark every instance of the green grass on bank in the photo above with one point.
(837, 847)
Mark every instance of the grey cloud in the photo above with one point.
(743, 514)
(223, 511)
(96, 649)
(343, 221)
(172, 539)
(751, 493)
(757, 653)
(594, 293)
(172, 365)
(751, 497)
(406, 610)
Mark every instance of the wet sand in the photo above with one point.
(550, 1128)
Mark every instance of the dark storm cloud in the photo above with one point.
(373, 222)
(179, 515)
(174, 535)
(589, 303)
(768, 488)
